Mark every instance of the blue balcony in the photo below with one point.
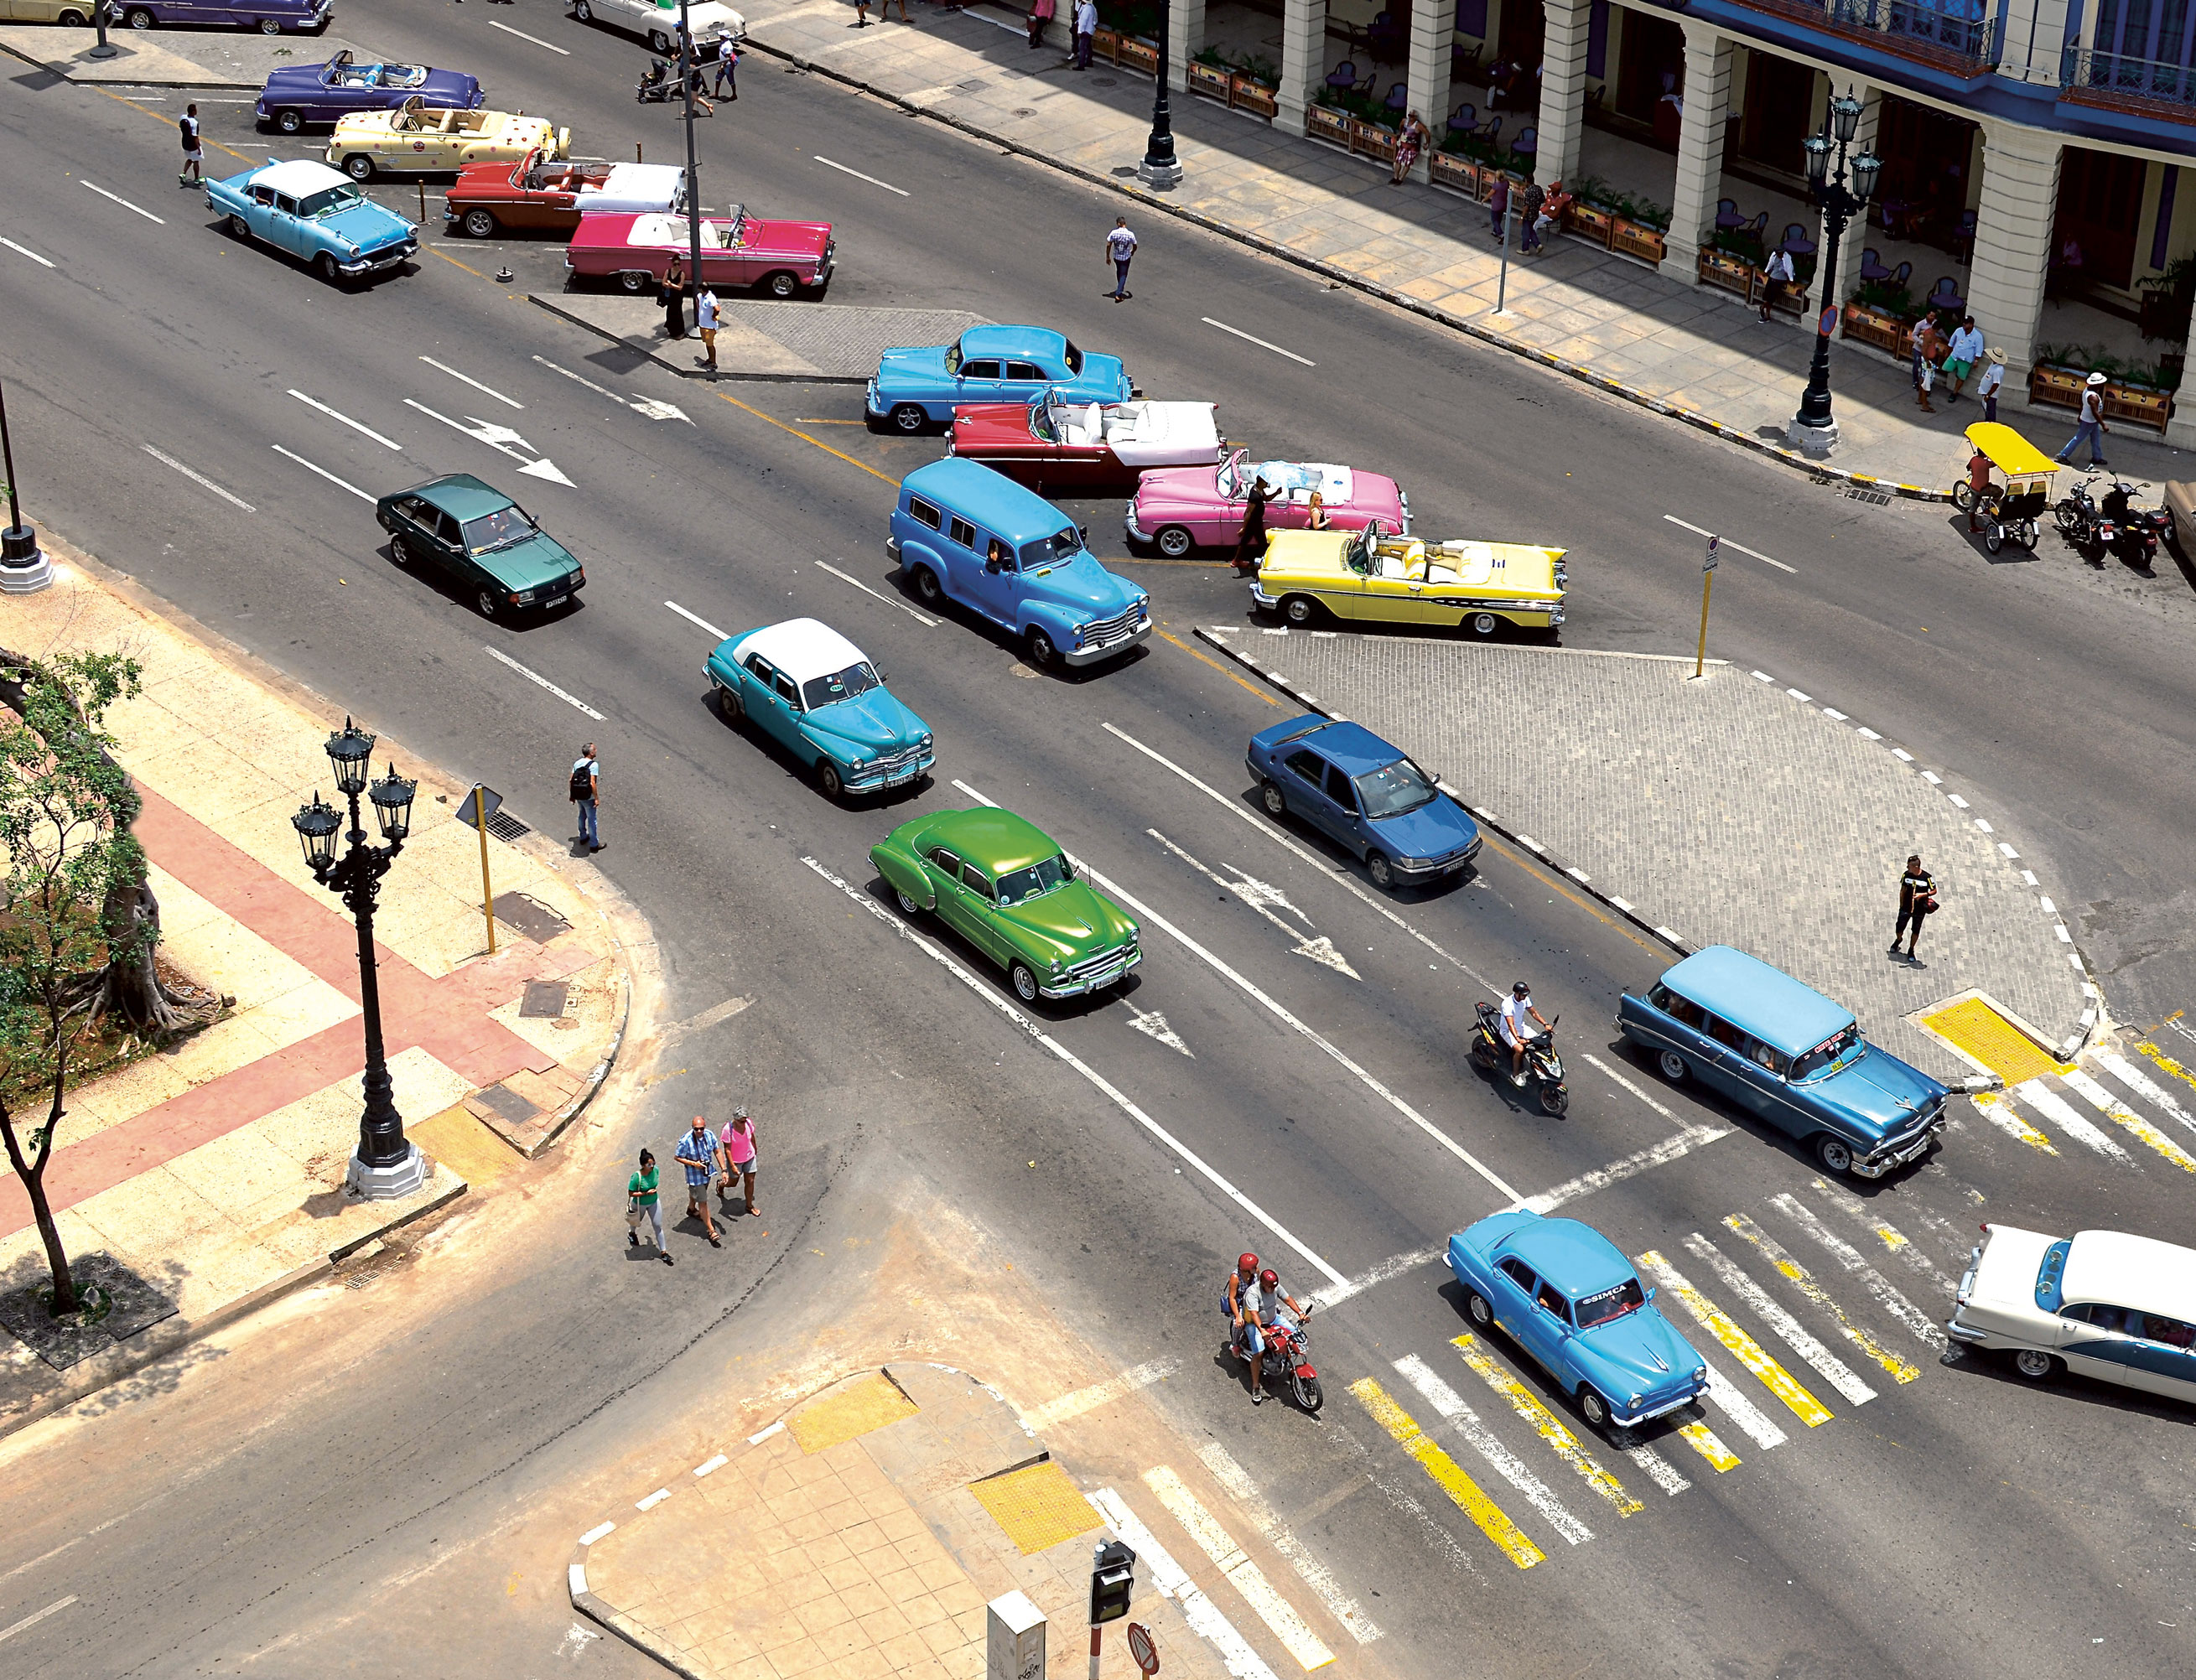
(2142, 87)
(1960, 37)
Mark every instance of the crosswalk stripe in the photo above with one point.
(2144, 1086)
(2105, 1103)
(1756, 1358)
(1742, 1412)
(1507, 1465)
(1448, 1475)
(1924, 1328)
(2053, 1107)
(2165, 1062)
(1203, 1615)
(1242, 1572)
(1804, 1280)
(1703, 1441)
(1892, 1238)
(1652, 1464)
(2001, 1114)
(1802, 1340)
(1237, 1483)
(1527, 1405)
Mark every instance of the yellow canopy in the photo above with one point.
(2010, 452)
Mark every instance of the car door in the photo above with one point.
(980, 902)
(1231, 499)
(1761, 1070)
(1021, 381)
(1515, 1286)
(778, 708)
(1550, 1328)
(2094, 1341)
(758, 695)
(1349, 826)
(997, 582)
(943, 868)
(1717, 1045)
(1304, 789)
(259, 212)
(284, 228)
(982, 380)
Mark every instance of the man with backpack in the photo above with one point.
(193, 151)
(587, 792)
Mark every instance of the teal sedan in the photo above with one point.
(819, 697)
(483, 541)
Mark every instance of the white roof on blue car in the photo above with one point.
(299, 176)
(801, 648)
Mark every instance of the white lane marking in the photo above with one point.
(536, 677)
(1740, 1410)
(1507, 1465)
(36, 1617)
(1885, 1233)
(2144, 1086)
(469, 380)
(1924, 1328)
(597, 1532)
(1112, 1093)
(1320, 951)
(1203, 1615)
(1797, 1337)
(1394, 1266)
(575, 379)
(500, 438)
(1738, 547)
(2048, 1102)
(1244, 1575)
(2001, 1114)
(1643, 1096)
(1655, 1155)
(711, 1466)
(858, 176)
(1259, 342)
(27, 251)
(1804, 1280)
(524, 36)
(363, 495)
(199, 478)
(922, 619)
(763, 1435)
(1652, 1464)
(653, 1500)
(654, 409)
(315, 402)
(1075, 1403)
(124, 202)
(695, 618)
(2105, 1103)
(1236, 1482)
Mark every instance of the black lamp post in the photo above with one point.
(23, 569)
(1812, 429)
(1161, 167)
(102, 14)
(387, 1165)
(689, 69)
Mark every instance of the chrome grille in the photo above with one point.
(1099, 963)
(1105, 630)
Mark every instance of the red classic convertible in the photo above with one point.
(1051, 444)
(784, 259)
(537, 192)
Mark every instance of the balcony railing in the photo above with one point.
(2091, 77)
(1960, 36)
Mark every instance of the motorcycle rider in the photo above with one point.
(1242, 1305)
(1514, 1008)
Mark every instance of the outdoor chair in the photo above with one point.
(1902, 276)
(1465, 120)
(1526, 146)
(1492, 133)
(1385, 41)
(1728, 219)
(1945, 295)
(1795, 241)
(1872, 267)
(1963, 237)
(1398, 98)
(1343, 77)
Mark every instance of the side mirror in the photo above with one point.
(1086, 531)
(1650, 1291)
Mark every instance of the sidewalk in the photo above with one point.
(172, 58)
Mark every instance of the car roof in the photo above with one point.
(801, 648)
(1352, 747)
(1574, 1256)
(299, 176)
(2129, 1271)
(994, 840)
(1780, 1011)
(461, 495)
(991, 500)
(1022, 341)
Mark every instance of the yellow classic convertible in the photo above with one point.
(1372, 575)
(418, 138)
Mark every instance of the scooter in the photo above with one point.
(2084, 524)
(2136, 531)
(1287, 1362)
(1543, 1067)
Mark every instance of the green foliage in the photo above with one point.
(1593, 190)
(1895, 301)
(2081, 359)
(1130, 17)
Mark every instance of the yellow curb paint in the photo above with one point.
(1719, 1324)
(1036, 1506)
(1803, 1280)
(1703, 1441)
(1527, 1405)
(855, 1409)
(1218, 667)
(454, 1139)
(2007, 1119)
(1985, 1035)
(1449, 1476)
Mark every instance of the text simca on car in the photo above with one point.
(1787, 1054)
(316, 215)
(783, 259)
(1052, 444)
(420, 138)
(321, 93)
(961, 531)
(1178, 511)
(818, 695)
(658, 20)
(1009, 890)
(538, 192)
(483, 541)
(2114, 1306)
(1371, 575)
(917, 386)
(1366, 796)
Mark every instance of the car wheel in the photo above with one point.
(781, 284)
(909, 418)
(828, 779)
(926, 586)
(2034, 1363)
(1042, 653)
(270, 26)
(73, 20)
(1484, 624)
(240, 228)
(1382, 871)
(1834, 1153)
(730, 708)
(324, 265)
(289, 122)
(1479, 1310)
(400, 551)
(1673, 1065)
(1024, 982)
(908, 906)
(582, 11)
(489, 603)
(138, 18)
(1270, 795)
(636, 280)
(479, 223)
(1301, 610)
(359, 167)
(1175, 542)
(1594, 1408)
(659, 43)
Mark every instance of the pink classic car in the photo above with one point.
(782, 259)
(1178, 509)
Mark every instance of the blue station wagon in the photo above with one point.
(914, 388)
(818, 695)
(315, 214)
(1567, 1296)
(1787, 1054)
(961, 531)
(1365, 795)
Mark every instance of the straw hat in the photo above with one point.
(1997, 356)
(2097, 378)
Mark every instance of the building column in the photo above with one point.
(1563, 89)
(1827, 287)
(1303, 59)
(1185, 39)
(1425, 73)
(2012, 243)
(1700, 148)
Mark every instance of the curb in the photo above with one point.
(55, 69)
(701, 374)
(1584, 375)
(595, 1079)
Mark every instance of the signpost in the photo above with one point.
(1707, 583)
(1142, 1650)
(483, 803)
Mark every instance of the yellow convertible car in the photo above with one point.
(418, 138)
(1372, 575)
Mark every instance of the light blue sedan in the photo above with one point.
(818, 695)
(317, 215)
(918, 387)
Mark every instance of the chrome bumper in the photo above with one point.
(897, 777)
(1118, 644)
(1960, 1332)
(1647, 1414)
(1137, 532)
(1104, 977)
(387, 259)
(1258, 594)
(1875, 1166)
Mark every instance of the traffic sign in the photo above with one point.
(1142, 1650)
(1829, 324)
(469, 811)
(1710, 564)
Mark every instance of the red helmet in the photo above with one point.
(1246, 1262)
(1270, 1279)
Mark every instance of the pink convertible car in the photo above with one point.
(1180, 508)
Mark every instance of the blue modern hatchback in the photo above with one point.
(1365, 795)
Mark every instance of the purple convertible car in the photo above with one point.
(321, 93)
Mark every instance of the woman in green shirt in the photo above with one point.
(640, 1194)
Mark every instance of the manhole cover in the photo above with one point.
(530, 916)
(1024, 111)
(507, 1103)
(545, 1000)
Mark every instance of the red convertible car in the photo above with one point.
(1175, 511)
(1091, 446)
(538, 192)
(785, 259)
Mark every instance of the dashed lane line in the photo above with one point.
(199, 478)
(1899, 1370)
(1448, 1475)
(341, 483)
(24, 251)
(535, 677)
(1236, 1483)
(524, 36)
(1261, 343)
(126, 204)
(1737, 547)
(356, 425)
(1508, 1465)
(858, 176)
(922, 619)
(469, 380)
(1551, 1429)
(35, 1618)
(1242, 1572)
(695, 618)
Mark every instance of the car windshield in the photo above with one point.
(1064, 545)
(1611, 1303)
(1018, 886)
(499, 529)
(839, 685)
(330, 200)
(1390, 792)
(1363, 553)
(1074, 359)
(1829, 1054)
(1041, 422)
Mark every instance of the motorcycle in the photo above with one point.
(1287, 1362)
(1544, 1068)
(2084, 524)
(2136, 531)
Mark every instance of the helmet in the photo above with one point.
(1519, 989)
(1246, 1262)
(1269, 1278)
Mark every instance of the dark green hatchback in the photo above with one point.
(487, 544)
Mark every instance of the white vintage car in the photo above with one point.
(658, 20)
(419, 138)
(2117, 1308)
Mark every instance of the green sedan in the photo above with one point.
(487, 544)
(1004, 886)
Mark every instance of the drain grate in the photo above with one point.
(1873, 498)
(505, 827)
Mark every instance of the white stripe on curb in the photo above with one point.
(597, 1532)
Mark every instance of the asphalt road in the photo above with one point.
(1946, 1529)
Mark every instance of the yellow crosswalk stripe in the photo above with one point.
(2007, 1119)
(2105, 1103)
(1528, 1406)
(1719, 1324)
(1449, 1476)
(1804, 1280)
(1703, 1442)
(2165, 1061)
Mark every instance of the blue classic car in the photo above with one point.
(818, 695)
(1787, 1054)
(319, 93)
(1567, 1296)
(316, 214)
(1364, 794)
(914, 388)
(962, 532)
(268, 17)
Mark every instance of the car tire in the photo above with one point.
(1174, 541)
(1023, 978)
(782, 284)
(1673, 1067)
(480, 224)
(908, 418)
(1482, 624)
(73, 20)
(1594, 1408)
(270, 26)
(926, 588)
(1271, 797)
(2034, 1363)
(359, 167)
(828, 780)
(730, 708)
(1382, 871)
(1302, 610)
(1479, 1309)
(1834, 1153)
(489, 603)
(582, 12)
(636, 280)
(1042, 653)
(907, 905)
(659, 43)
(324, 265)
(138, 18)
(400, 551)
(238, 228)
(289, 122)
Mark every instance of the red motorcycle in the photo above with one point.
(1287, 1362)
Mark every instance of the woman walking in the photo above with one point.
(641, 1199)
(1041, 14)
(739, 1145)
(1250, 545)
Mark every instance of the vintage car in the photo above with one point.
(538, 191)
(919, 386)
(424, 139)
(782, 259)
(1087, 448)
(1567, 1296)
(268, 17)
(658, 20)
(1178, 511)
(1365, 795)
(1011, 892)
(487, 544)
(315, 214)
(300, 93)
(818, 695)
(2114, 1306)
(1789, 1054)
(1371, 576)
(961, 532)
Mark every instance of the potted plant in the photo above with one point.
(2138, 394)
(1208, 74)
(1722, 265)
(1326, 118)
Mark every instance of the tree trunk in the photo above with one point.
(33, 1177)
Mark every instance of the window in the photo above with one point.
(1018, 886)
(1767, 1056)
(979, 370)
(947, 862)
(1339, 790)
(977, 884)
(1024, 370)
(762, 669)
(997, 555)
(1060, 545)
(286, 204)
(786, 691)
(921, 512)
(1828, 1054)
(446, 528)
(1677, 1009)
(1395, 788)
(1309, 765)
(1611, 1303)
(953, 359)
(1724, 1032)
(329, 199)
(855, 679)
(1074, 359)
(263, 195)
(1518, 1272)
(1551, 1300)
(504, 528)
(963, 533)
(412, 508)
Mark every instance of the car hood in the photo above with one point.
(528, 565)
(1083, 582)
(1637, 1354)
(1435, 830)
(1074, 917)
(992, 425)
(919, 364)
(868, 722)
(1880, 1094)
(762, 238)
(365, 225)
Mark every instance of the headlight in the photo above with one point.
(1143, 608)
(861, 763)
(1418, 863)
(1055, 965)
(1700, 1374)
(925, 741)
(1636, 1398)
(523, 597)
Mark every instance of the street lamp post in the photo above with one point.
(688, 69)
(1812, 430)
(387, 1164)
(1160, 168)
(102, 14)
(23, 569)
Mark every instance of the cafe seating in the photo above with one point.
(1342, 79)
(1945, 295)
(1728, 219)
(1795, 242)
(1464, 119)
(1398, 98)
(1872, 270)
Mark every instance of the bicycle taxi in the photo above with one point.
(2019, 490)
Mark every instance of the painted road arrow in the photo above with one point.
(500, 438)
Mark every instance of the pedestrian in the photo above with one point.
(1993, 379)
(884, 11)
(1120, 246)
(587, 794)
(1917, 897)
(699, 1154)
(642, 1202)
(728, 67)
(194, 152)
(1779, 272)
(861, 14)
(1979, 486)
(1961, 356)
(1925, 364)
(1251, 543)
(1529, 203)
(1040, 14)
(672, 296)
(738, 1142)
(1086, 28)
(705, 317)
(2091, 425)
(1498, 208)
(1410, 141)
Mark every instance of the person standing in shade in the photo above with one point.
(643, 1203)
(1779, 272)
(705, 317)
(1917, 896)
(738, 1141)
(1991, 383)
(2091, 425)
(698, 1153)
(674, 299)
(1086, 28)
(1498, 206)
(1121, 246)
(194, 149)
(1251, 544)
(1041, 14)
(587, 794)
(1528, 215)
(1961, 356)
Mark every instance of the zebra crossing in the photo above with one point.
(2114, 1102)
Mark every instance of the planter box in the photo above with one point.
(1212, 83)
(2138, 405)
(1105, 44)
(1139, 56)
(1726, 273)
(2059, 387)
(1636, 238)
(1371, 140)
(1873, 326)
(1458, 175)
(1591, 222)
(1256, 97)
(1785, 298)
(1323, 121)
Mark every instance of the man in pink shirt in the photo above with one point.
(738, 1139)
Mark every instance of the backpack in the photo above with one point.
(183, 126)
(583, 780)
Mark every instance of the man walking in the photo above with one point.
(1120, 246)
(705, 317)
(1086, 26)
(194, 152)
(1498, 207)
(728, 65)
(1965, 351)
(699, 1154)
(1779, 272)
(1917, 896)
(1991, 383)
(2091, 425)
(587, 794)
(1528, 215)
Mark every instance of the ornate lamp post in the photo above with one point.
(387, 1164)
(1160, 168)
(689, 69)
(1812, 429)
